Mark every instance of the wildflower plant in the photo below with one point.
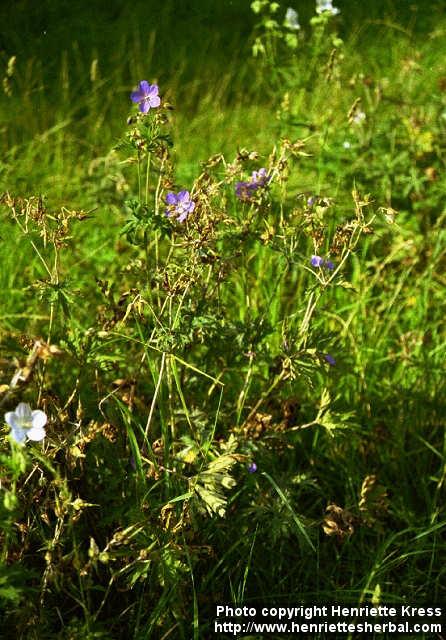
(274, 38)
(280, 48)
(179, 313)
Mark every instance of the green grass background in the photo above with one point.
(76, 64)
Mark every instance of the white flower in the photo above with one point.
(25, 423)
(346, 144)
(359, 117)
(292, 20)
(326, 5)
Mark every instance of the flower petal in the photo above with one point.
(36, 433)
(182, 217)
(10, 418)
(152, 90)
(18, 434)
(136, 96)
(14, 421)
(154, 101)
(171, 198)
(39, 419)
(144, 106)
(144, 87)
(23, 411)
(183, 196)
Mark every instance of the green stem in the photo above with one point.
(139, 176)
(149, 156)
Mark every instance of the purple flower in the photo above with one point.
(317, 261)
(180, 205)
(331, 361)
(259, 178)
(146, 96)
(310, 201)
(245, 190)
(252, 468)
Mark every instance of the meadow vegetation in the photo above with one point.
(229, 307)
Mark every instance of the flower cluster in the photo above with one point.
(326, 5)
(179, 205)
(26, 423)
(146, 96)
(317, 261)
(245, 190)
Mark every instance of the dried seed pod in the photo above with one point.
(338, 522)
